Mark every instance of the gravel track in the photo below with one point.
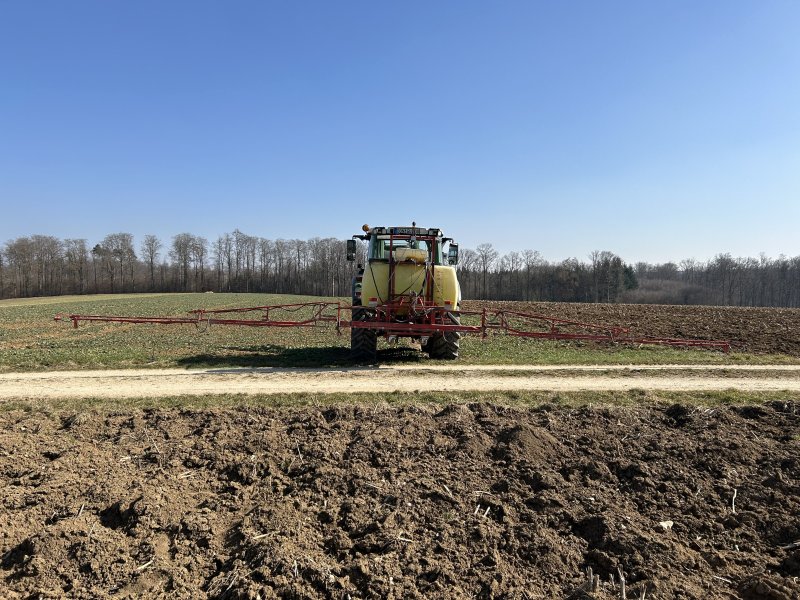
(149, 383)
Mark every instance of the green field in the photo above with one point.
(30, 340)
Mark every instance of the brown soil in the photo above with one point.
(414, 502)
(759, 330)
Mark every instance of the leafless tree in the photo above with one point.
(76, 255)
(487, 255)
(151, 246)
(119, 257)
(199, 250)
(181, 253)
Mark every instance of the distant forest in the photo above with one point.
(41, 265)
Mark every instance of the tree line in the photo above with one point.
(605, 277)
(40, 265)
(235, 262)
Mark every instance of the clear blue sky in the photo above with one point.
(658, 130)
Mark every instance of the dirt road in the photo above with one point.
(148, 383)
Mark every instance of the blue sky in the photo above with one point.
(657, 130)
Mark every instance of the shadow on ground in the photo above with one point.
(270, 355)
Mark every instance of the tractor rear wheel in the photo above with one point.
(363, 342)
(444, 345)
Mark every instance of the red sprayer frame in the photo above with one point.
(422, 319)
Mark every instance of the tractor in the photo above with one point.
(408, 288)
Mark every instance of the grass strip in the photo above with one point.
(635, 398)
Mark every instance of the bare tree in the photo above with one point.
(76, 255)
(181, 256)
(467, 265)
(19, 253)
(118, 255)
(199, 250)
(264, 261)
(532, 261)
(486, 257)
(151, 246)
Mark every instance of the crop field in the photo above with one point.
(30, 339)
(417, 493)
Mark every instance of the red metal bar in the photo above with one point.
(111, 319)
(286, 307)
(392, 268)
(430, 271)
(422, 319)
(411, 328)
(552, 321)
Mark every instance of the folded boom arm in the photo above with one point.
(419, 321)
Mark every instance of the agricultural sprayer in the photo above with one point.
(408, 288)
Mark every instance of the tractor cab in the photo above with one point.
(400, 244)
(381, 247)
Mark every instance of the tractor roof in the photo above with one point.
(401, 231)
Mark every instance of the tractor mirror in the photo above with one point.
(452, 254)
(351, 250)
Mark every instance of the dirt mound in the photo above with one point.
(758, 330)
(415, 502)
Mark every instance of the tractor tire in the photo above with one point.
(444, 346)
(363, 342)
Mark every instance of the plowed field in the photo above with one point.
(464, 501)
(758, 330)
